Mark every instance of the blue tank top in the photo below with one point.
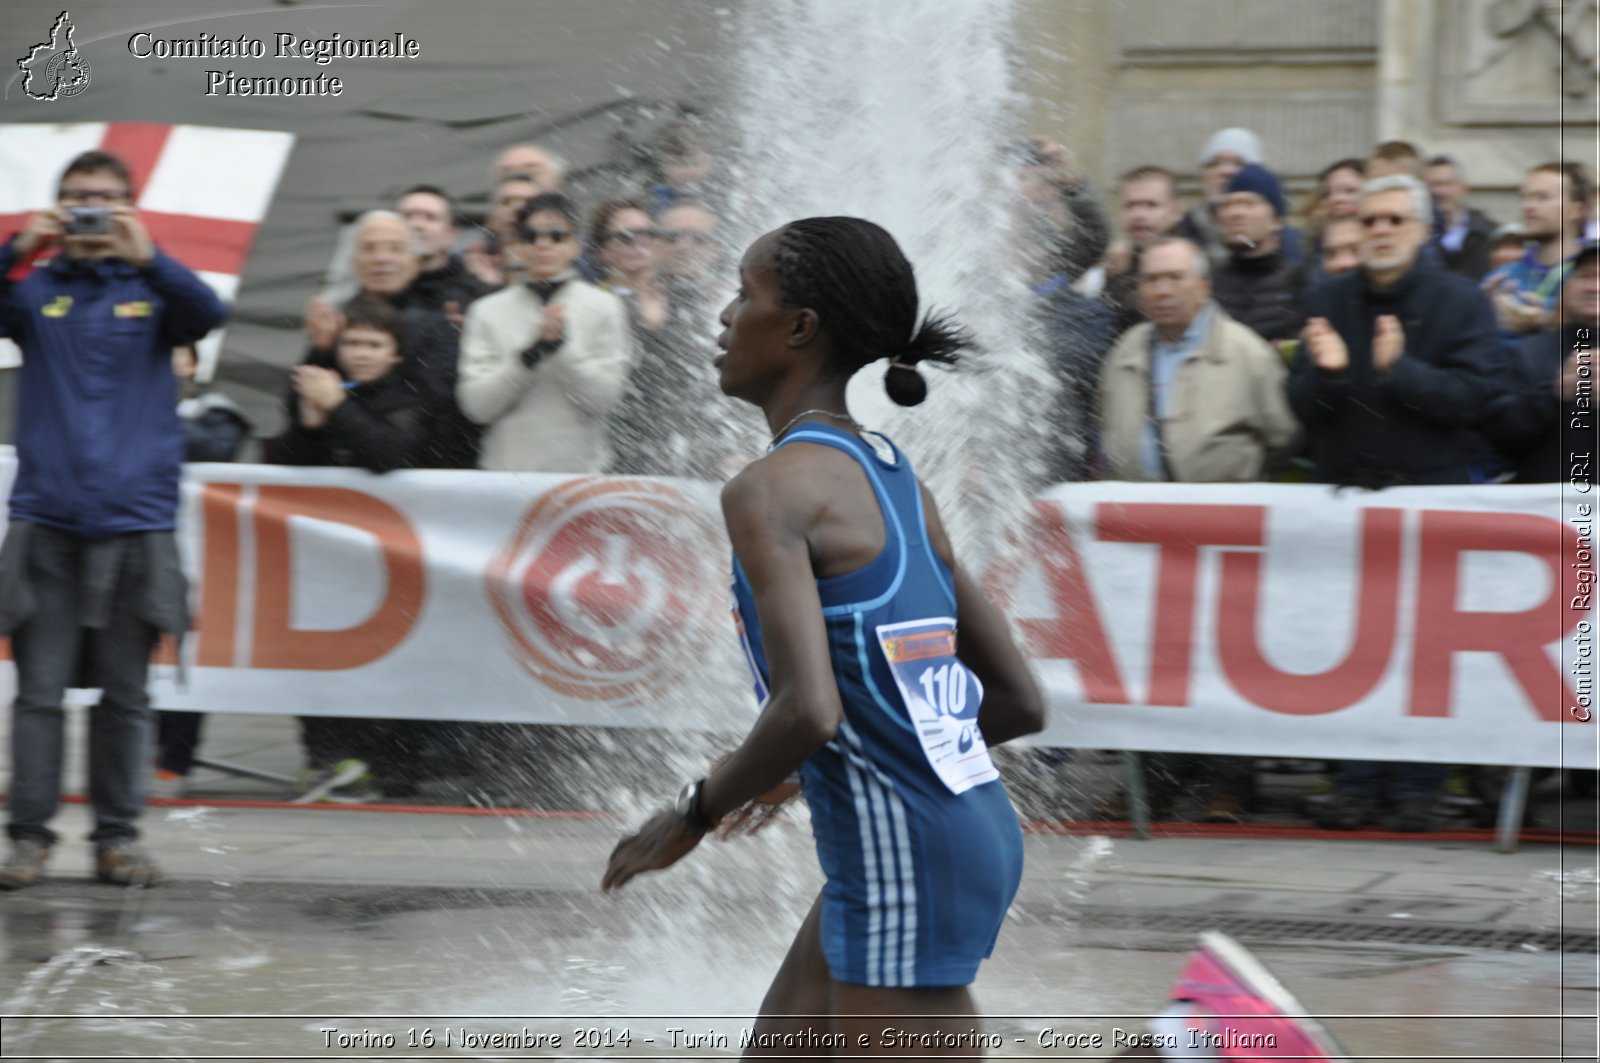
(910, 705)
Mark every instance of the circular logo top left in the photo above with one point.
(54, 69)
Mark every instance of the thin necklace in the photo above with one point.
(846, 418)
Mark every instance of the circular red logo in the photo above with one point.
(610, 587)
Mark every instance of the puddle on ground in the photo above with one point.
(139, 972)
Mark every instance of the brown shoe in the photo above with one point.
(25, 866)
(126, 864)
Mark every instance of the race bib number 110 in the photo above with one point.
(943, 697)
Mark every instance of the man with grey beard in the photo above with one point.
(1399, 358)
(1397, 367)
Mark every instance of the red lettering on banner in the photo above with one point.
(219, 581)
(1296, 694)
(276, 644)
(1076, 632)
(1180, 531)
(1444, 630)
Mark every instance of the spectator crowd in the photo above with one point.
(1383, 332)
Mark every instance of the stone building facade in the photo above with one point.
(1500, 84)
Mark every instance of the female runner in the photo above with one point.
(884, 673)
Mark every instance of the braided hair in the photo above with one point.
(864, 292)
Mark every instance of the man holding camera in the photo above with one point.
(89, 570)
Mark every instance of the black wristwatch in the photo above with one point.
(688, 806)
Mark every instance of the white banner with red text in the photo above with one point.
(1451, 624)
(1448, 624)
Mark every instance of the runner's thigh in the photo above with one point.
(801, 988)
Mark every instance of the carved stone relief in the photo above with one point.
(1520, 62)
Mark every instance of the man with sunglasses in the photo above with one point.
(544, 360)
(1397, 367)
(1399, 357)
(89, 570)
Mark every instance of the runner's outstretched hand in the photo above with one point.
(664, 839)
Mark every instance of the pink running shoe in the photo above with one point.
(1237, 1011)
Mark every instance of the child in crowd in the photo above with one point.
(361, 414)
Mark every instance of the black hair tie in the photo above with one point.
(904, 384)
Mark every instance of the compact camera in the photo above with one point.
(88, 221)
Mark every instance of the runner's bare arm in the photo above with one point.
(1012, 704)
(769, 517)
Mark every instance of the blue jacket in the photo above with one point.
(1546, 439)
(99, 441)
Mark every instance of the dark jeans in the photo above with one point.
(389, 747)
(48, 648)
(177, 737)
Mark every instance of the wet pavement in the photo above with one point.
(327, 932)
(392, 922)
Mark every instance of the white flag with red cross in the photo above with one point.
(201, 191)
